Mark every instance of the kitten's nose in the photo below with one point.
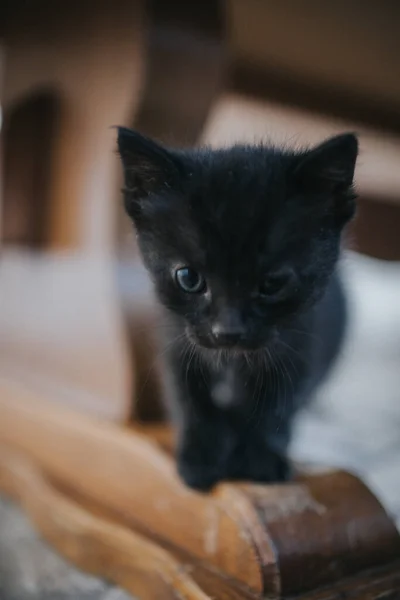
(228, 330)
(227, 338)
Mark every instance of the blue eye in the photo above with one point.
(190, 280)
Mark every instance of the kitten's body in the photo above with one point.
(235, 411)
(242, 245)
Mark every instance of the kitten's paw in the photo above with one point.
(261, 465)
(202, 460)
(271, 469)
(198, 477)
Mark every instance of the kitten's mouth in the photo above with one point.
(229, 344)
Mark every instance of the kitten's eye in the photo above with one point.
(189, 280)
(273, 285)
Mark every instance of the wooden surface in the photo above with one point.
(271, 539)
(99, 546)
(128, 475)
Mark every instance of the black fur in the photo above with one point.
(262, 228)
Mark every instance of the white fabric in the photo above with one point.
(355, 419)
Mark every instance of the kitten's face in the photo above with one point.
(238, 241)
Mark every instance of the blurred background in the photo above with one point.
(76, 312)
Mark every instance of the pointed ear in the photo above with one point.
(148, 168)
(330, 166)
(329, 169)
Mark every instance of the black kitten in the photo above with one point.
(242, 245)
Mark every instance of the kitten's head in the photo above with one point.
(238, 241)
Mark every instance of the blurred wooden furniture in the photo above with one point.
(110, 500)
(77, 318)
(61, 325)
(340, 59)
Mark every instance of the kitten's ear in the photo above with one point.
(329, 168)
(148, 168)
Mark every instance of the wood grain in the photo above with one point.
(381, 583)
(273, 539)
(324, 528)
(99, 546)
(128, 473)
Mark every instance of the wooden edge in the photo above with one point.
(324, 527)
(99, 546)
(131, 476)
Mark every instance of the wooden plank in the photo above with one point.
(277, 539)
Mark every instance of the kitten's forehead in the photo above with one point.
(237, 204)
(234, 214)
(238, 178)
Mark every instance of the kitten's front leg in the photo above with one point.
(203, 450)
(254, 459)
(205, 439)
(211, 451)
(260, 451)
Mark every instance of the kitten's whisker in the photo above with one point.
(157, 358)
(256, 398)
(307, 334)
(281, 408)
(296, 352)
(261, 398)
